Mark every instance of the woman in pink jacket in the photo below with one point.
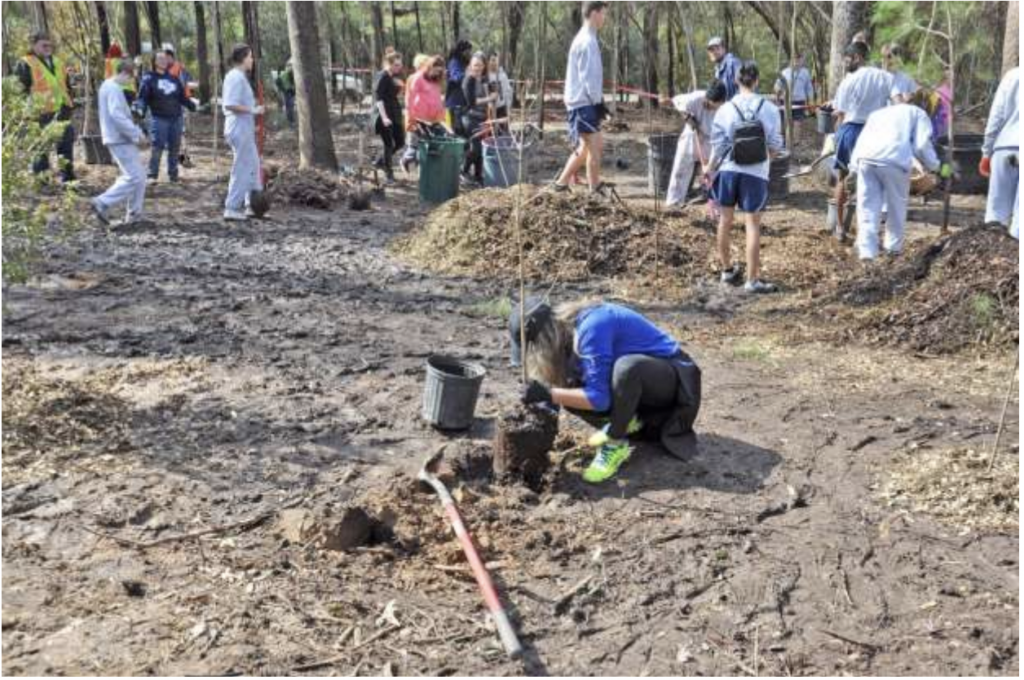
(424, 107)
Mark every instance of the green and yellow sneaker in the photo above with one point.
(600, 438)
(610, 457)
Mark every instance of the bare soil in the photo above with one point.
(211, 435)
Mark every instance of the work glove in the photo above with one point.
(946, 170)
(535, 393)
(985, 166)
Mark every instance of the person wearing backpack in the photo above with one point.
(747, 131)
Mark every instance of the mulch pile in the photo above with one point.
(944, 296)
(565, 237)
(305, 187)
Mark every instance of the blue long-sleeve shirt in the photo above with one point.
(164, 95)
(726, 72)
(606, 332)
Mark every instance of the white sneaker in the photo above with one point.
(731, 275)
(759, 286)
(235, 215)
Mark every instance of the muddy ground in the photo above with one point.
(188, 403)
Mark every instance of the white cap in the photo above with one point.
(716, 42)
(167, 47)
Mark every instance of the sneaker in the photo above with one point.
(249, 212)
(759, 286)
(603, 189)
(607, 461)
(557, 188)
(600, 438)
(389, 181)
(730, 276)
(100, 213)
(152, 179)
(174, 179)
(407, 164)
(235, 215)
(139, 220)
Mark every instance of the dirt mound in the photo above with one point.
(305, 186)
(944, 296)
(571, 237)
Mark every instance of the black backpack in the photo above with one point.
(749, 144)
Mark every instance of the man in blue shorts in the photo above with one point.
(584, 101)
(864, 90)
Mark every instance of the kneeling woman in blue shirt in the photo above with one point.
(611, 366)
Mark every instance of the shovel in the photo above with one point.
(509, 640)
(807, 169)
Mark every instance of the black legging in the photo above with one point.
(475, 156)
(642, 386)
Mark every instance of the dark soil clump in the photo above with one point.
(305, 187)
(521, 445)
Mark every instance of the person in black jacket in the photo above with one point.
(475, 114)
(454, 101)
(164, 95)
(388, 111)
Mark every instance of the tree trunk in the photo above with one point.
(613, 15)
(848, 17)
(419, 27)
(1011, 38)
(516, 19)
(132, 34)
(316, 146)
(688, 36)
(542, 20)
(104, 25)
(444, 30)
(251, 24)
(326, 61)
(202, 53)
(153, 12)
(671, 70)
(377, 18)
(650, 37)
(218, 37)
(456, 28)
(394, 28)
(40, 21)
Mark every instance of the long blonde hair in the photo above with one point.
(551, 356)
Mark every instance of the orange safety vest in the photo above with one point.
(49, 90)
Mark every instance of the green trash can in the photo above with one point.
(440, 163)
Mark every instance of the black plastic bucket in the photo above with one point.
(451, 391)
(661, 151)
(966, 156)
(826, 123)
(95, 151)
(778, 183)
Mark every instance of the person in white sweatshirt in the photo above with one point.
(1001, 154)
(123, 138)
(740, 153)
(698, 109)
(882, 158)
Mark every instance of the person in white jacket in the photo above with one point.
(123, 138)
(892, 137)
(240, 111)
(1001, 154)
(694, 146)
(744, 184)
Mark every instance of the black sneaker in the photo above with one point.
(730, 276)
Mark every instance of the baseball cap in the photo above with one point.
(538, 314)
(715, 42)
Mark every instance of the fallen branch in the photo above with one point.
(849, 640)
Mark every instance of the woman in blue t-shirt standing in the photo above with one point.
(611, 366)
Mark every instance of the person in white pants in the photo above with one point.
(122, 137)
(698, 109)
(240, 111)
(882, 158)
(1001, 155)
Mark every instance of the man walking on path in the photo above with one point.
(799, 83)
(584, 101)
(45, 79)
(122, 137)
(1001, 154)
(727, 66)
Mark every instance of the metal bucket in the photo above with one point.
(451, 391)
(826, 123)
(778, 183)
(661, 152)
(501, 161)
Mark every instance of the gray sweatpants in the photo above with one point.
(1003, 191)
(130, 186)
(881, 188)
(245, 170)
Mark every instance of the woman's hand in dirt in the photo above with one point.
(535, 393)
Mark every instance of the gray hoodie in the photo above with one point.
(115, 117)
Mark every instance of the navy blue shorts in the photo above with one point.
(799, 110)
(846, 139)
(583, 121)
(738, 189)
